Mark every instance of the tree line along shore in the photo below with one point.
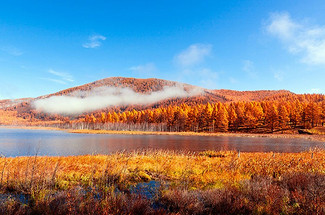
(249, 117)
(284, 114)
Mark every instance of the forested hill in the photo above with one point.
(145, 86)
(145, 95)
(154, 84)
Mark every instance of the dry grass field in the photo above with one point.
(224, 182)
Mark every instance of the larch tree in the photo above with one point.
(240, 112)
(222, 119)
(272, 116)
(322, 113)
(283, 116)
(191, 121)
(295, 113)
(232, 116)
(312, 114)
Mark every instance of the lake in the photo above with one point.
(22, 142)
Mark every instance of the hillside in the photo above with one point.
(154, 84)
(25, 108)
(258, 95)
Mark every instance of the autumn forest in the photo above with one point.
(254, 116)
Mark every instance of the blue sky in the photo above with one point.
(47, 46)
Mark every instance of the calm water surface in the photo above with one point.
(21, 142)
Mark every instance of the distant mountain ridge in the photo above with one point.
(154, 84)
(146, 86)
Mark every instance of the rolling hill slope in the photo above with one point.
(26, 109)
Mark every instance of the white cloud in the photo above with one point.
(146, 68)
(282, 26)
(62, 78)
(94, 41)
(193, 55)
(54, 80)
(299, 38)
(102, 97)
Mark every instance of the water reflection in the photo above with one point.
(20, 142)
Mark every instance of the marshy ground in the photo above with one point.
(165, 182)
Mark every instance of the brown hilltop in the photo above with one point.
(143, 86)
(154, 84)
(257, 95)
(24, 106)
(138, 85)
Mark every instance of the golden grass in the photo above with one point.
(204, 170)
(316, 137)
(317, 130)
(193, 183)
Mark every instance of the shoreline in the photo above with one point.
(314, 137)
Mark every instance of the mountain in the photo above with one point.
(26, 109)
(154, 84)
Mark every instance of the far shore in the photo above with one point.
(314, 137)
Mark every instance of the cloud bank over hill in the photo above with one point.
(102, 97)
